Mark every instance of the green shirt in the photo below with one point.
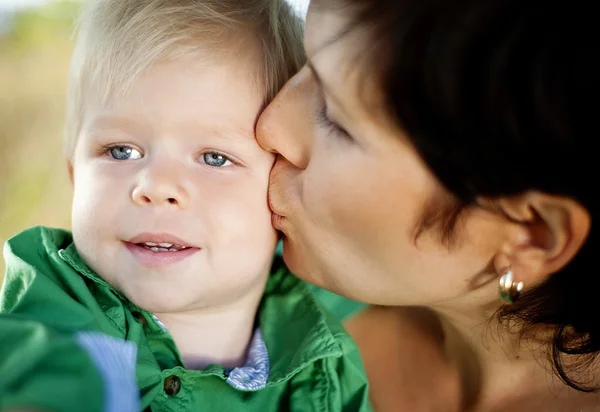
(64, 331)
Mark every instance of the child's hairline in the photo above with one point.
(277, 33)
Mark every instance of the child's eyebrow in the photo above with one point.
(112, 122)
(232, 134)
(225, 131)
(116, 121)
(119, 124)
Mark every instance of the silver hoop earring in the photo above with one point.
(509, 289)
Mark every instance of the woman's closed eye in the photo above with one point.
(331, 126)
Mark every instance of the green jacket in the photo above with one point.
(71, 342)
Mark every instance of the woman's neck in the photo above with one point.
(421, 359)
(501, 370)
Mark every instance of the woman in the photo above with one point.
(433, 157)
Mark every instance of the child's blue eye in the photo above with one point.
(215, 159)
(124, 153)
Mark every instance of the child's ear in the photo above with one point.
(545, 235)
(70, 169)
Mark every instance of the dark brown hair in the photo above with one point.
(496, 96)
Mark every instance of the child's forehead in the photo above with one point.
(188, 89)
(220, 69)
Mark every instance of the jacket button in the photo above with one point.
(172, 385)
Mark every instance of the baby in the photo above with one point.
(166, 296)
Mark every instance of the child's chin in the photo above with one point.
(155, 305)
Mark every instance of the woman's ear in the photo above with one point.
(546, 233)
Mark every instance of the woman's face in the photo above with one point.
(349, 190)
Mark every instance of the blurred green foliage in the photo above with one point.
(35, 48)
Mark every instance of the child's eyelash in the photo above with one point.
(324, 121)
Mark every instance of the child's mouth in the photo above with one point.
(152, 254)
(162, 247)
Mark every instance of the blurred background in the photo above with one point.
(35, 47)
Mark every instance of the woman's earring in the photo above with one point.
(509, 289)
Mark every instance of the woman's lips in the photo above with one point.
(272, 206)
(276, 220)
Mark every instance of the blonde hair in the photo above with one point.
(119, 39)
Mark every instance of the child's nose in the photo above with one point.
(160, 189)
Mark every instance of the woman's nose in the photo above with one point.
(287, 124)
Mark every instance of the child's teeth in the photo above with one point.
(162, 249)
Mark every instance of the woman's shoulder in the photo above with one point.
(405, 360)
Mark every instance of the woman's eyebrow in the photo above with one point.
(311, 66)
(324, 89)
